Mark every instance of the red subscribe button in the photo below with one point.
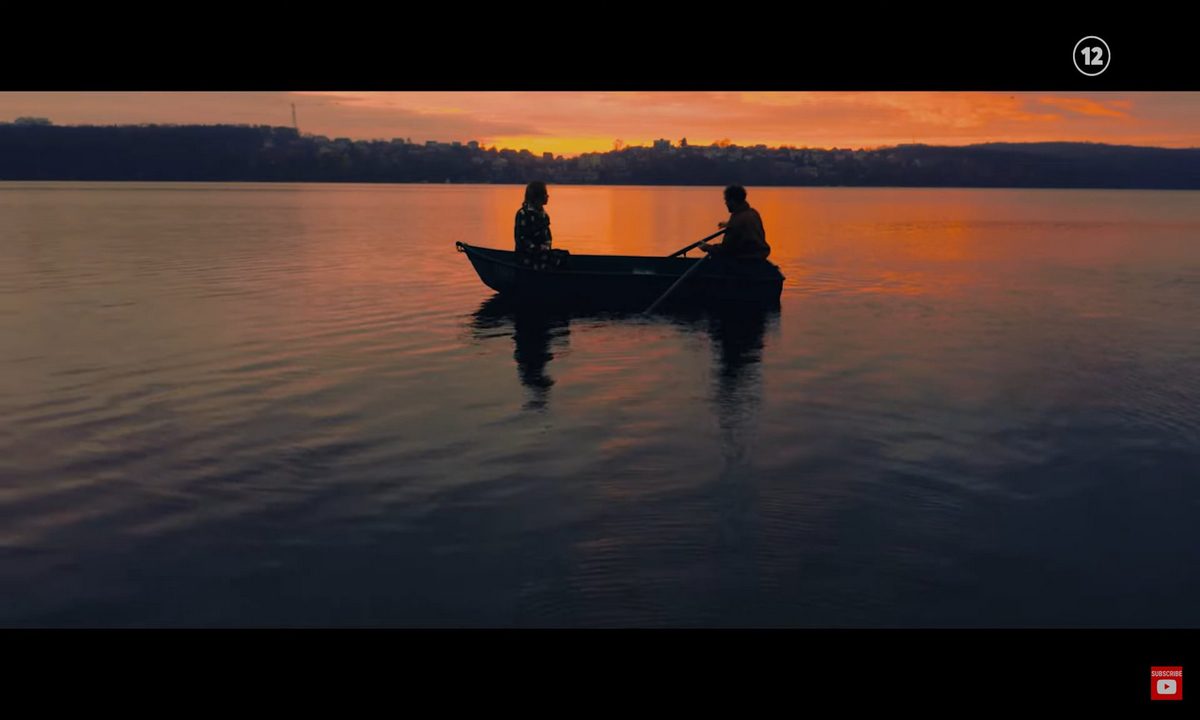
(1166, 683)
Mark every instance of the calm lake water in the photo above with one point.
(296, 405)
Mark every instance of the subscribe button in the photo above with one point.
(1166, 683)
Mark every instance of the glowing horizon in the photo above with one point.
(573, 123)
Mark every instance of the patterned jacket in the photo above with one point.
(532, 229)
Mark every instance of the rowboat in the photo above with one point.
(628, 281)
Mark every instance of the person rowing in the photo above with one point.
(745, 237)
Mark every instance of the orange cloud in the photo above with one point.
(1083, 106)
(570, 123)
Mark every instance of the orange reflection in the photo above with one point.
(349, 244)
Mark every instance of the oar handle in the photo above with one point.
(674, 285)
(702, 240)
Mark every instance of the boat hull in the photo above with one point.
(628, 281)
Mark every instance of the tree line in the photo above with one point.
(37, 150)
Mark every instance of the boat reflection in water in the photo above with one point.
(536, 333)
(737, 336)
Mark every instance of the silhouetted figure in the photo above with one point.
(532, 230)
(745, 238)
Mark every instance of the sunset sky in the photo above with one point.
(575, 122)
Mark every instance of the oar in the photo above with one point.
(702, 240)
(674, 285)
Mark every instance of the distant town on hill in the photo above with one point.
(36, 149)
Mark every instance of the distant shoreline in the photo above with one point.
(35, 152)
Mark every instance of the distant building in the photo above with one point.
(547, 156)
(662, 144)
(474, 144)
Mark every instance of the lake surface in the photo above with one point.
(296, 405)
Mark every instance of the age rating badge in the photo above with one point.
(1166, 683)
(1091, 56)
